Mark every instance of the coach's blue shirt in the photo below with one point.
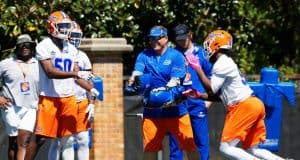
(195, 106)
(162, 68)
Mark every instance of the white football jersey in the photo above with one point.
(62, 60)
(228, 83)
(84, 65)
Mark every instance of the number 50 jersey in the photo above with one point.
(62, 60)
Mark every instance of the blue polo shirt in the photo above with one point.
(197, 105)
(162, 68)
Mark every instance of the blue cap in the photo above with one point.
(158, 31)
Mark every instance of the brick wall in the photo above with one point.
(108, 135)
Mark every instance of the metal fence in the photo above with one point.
(290, 131)
(289, 143)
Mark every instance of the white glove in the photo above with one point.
(191, 93)
(90, 111)
(94, 92)
(86, 75)
(159, 89)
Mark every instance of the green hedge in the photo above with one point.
(266, 33)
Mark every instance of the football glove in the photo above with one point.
(90, 111)
(193, 60)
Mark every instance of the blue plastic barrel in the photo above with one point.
(98, 84)
(269, 75)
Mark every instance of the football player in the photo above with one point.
(245, 114)
(85, 103)
(57, 110)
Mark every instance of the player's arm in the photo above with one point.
(210, 97)
(86, 84)
(53, 72)
(195, 64)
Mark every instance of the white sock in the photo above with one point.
(263, 153)
(67, 147)
(82, 139)
(54, 149)
(232, 152)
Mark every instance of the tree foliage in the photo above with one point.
(266, 33)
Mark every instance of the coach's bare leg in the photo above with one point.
(34, 147)
(150, 156)
(23, 140)
(193, 155)
(31, 150)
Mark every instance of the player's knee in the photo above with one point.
(257, 151)
(82, 139)
(224, 148)
(67, 142)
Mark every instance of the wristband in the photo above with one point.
(93, 98)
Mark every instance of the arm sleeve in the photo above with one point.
(86, 61)
(220, 73)
(140, 63)
(41, 53)
(216, 83)
(76, 53)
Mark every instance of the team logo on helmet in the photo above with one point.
(216, 40)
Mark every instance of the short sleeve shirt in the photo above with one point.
(20, 81)
(84, 64)
(170, 64)
(228, 82)
(62, 60)
(197, 105)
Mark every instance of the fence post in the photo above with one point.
(108, 128)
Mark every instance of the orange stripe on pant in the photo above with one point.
(245, 121)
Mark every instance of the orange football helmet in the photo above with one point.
(75, 34)
(216, 40)
(59, 25)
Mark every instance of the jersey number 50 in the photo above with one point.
(63, 64)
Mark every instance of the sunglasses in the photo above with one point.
(28, 45)
(155, 38)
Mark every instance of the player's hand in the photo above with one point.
(193, 60)
(131, 81)
(130, 90)
(191, 93)
(90, 111)
(94, 92)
